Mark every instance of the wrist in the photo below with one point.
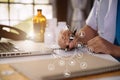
(80, 36)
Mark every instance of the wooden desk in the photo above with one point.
(8, 73)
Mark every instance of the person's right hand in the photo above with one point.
(63, 39)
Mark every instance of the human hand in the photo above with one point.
(100, 45)
(63, 39)
(65, 42)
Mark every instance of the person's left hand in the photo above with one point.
(100, 45)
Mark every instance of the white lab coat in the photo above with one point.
(102, 18)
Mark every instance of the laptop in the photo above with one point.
(10, 48)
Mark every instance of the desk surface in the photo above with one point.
(19, 76)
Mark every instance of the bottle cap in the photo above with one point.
(39, 9)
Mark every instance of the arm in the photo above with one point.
(116, 51)
(89, 34)
(100, 45)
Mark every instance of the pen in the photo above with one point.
(72, 36)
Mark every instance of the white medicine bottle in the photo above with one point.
(49, 37)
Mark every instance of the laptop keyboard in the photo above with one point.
(8, 49)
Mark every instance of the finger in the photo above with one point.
(93, 48)
(61, 41)
(65, 34)
(96, 49)
(73, 44)
(64, 39)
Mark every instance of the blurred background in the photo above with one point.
(19, 13)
